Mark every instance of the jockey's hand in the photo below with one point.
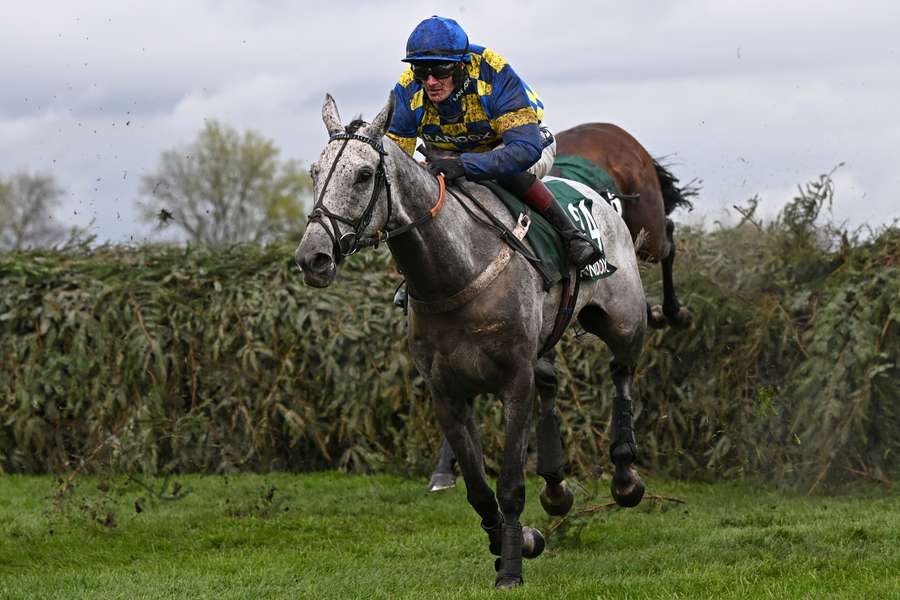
(452, 168)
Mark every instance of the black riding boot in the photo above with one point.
(531, 190)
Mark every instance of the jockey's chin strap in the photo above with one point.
(351, 242)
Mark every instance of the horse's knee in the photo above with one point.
(546, 381)
(511, 498)
(630, 321)
(627, 338)
(655, 248)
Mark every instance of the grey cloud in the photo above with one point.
(752, 98)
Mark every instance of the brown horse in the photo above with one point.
(637, 175)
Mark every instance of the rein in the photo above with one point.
(351, 242)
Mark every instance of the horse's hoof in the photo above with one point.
(441, 481)
(655, 317)
(682, 319)
(507, 582)
(627, 491)
(532, 542)
(557, 500)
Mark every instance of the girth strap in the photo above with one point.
(567, 301)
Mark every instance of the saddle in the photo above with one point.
(545, 250)
(549, 257)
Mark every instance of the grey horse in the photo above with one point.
(478, 317)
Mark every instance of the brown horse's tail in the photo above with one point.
(675, 196)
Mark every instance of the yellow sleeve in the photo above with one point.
(408, 144)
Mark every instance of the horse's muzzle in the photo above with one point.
(318, 268)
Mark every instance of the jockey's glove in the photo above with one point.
(452, 168)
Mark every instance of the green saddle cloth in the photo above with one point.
(584, 171)
(546, 242)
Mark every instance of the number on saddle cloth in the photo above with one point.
(577, 199)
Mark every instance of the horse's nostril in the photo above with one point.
(321, 263)
(318, 262)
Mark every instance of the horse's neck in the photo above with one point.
(444, 255)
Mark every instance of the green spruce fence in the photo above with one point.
(156, 359)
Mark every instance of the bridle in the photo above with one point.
(348, 243)
(352, 241)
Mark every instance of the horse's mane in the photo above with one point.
(358, 123)
(355, 125)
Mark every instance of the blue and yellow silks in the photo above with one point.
(491, 106)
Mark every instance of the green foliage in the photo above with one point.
(790, 370)
(161, 359)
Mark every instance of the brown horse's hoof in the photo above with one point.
(682, 319)
(441, 481)
(655, 317)
(627, 491)
(557, 500)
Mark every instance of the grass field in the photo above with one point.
(329, 535)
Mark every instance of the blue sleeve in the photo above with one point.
(522, 147)
(514, 118)
(403, 122)
(404, 128)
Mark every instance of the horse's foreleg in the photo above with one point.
(627, 487)
(457, 421)
(516, 541)
(442, 477)
(556, 497)
(676, 315)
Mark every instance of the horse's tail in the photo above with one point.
(675, 196)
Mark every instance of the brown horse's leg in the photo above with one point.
(676, 315)
(556, 497)
(655, 317)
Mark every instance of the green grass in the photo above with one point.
(329, 535)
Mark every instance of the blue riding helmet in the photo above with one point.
(437, 39)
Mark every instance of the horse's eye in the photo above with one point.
(363, 175)
(314, 171)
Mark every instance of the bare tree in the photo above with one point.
(226, 187)
(27, 203)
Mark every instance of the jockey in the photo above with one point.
(466, 98)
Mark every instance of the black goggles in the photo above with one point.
(421, 71)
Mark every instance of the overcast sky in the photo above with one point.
(752, 97)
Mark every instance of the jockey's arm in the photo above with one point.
(521, 148)
(514, 118)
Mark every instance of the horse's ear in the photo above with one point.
(330, 116)
(380, 123)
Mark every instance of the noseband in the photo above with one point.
(352, 241)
